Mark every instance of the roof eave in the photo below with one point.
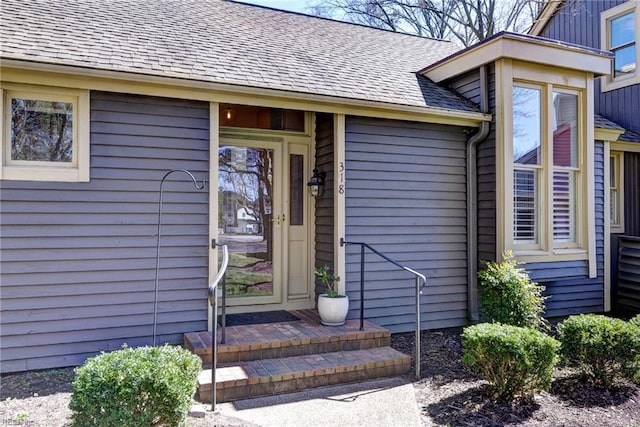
(147, 84)
(523, 48)
(544, 17)
(604, 134)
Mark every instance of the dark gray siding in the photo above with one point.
(568, 283)
(632, 194)
(468, 85)
(581, 25)
(324, 205)
(628, 298)
(406, 197)
(626, 294)
(78, 259)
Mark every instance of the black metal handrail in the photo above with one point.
(419, 278)
(218, 281)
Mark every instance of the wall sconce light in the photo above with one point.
(316, 184)
(229, 115)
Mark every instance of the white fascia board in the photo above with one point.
(543, 52)
(142, 84)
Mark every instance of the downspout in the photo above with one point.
(472, 201)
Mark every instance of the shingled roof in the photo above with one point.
(627, 136)
(231, 43)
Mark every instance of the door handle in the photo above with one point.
(278, 219)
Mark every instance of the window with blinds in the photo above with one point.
(565, 167)
(546, 164)
(527, 159)
(525, 201)
(616, 191)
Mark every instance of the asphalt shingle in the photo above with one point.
(604, 123)
(226, 42)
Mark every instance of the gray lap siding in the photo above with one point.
(324, 205)
(406, 197)
(569, 287)
(78, 259)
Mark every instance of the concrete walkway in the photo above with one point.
(380, 403)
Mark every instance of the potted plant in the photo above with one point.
(332, 307)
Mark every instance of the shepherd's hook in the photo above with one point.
(155, 299)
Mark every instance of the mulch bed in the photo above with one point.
(448, 395)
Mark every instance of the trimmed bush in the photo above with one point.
(144, 386)
(508, 296)
(633, 370)
(515, 361)
(604, 349)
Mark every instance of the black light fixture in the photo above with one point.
(316, 184)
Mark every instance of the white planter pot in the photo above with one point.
(333, 311)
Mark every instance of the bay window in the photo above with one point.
(546, 161)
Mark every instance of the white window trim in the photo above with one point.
(618, 157)
(608, 82)
(510, 73)
(78, 169)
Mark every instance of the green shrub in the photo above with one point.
(144, 386)
(633, 369)
(508, 296)
(604, 349)
(516, 361)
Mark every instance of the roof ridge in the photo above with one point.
(242, 3)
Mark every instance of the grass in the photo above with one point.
(240, 279)
(241, 261)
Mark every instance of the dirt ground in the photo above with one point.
(447, 395)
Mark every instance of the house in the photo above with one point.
(436, 156)
(612, 26)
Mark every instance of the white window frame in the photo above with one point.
(609, 82)
(515, 73)
(22, 170)
(618, 202)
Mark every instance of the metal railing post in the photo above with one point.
(419, 277)
(214, 352)
(362, 287)
(213, 300)
(417, 328)
(223, 311)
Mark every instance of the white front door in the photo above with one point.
(264, 217)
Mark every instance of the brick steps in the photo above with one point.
(284, 375)
(267, 359)
(266, 341)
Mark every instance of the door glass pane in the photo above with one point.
(245, 218)
(296, 189)
(246, 116)
(565, 138)
(526, 125)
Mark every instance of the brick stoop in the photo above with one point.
(271, 340)
(267, 359)
(288, 374)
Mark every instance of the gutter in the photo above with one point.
(473, 312)
(202, 90)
